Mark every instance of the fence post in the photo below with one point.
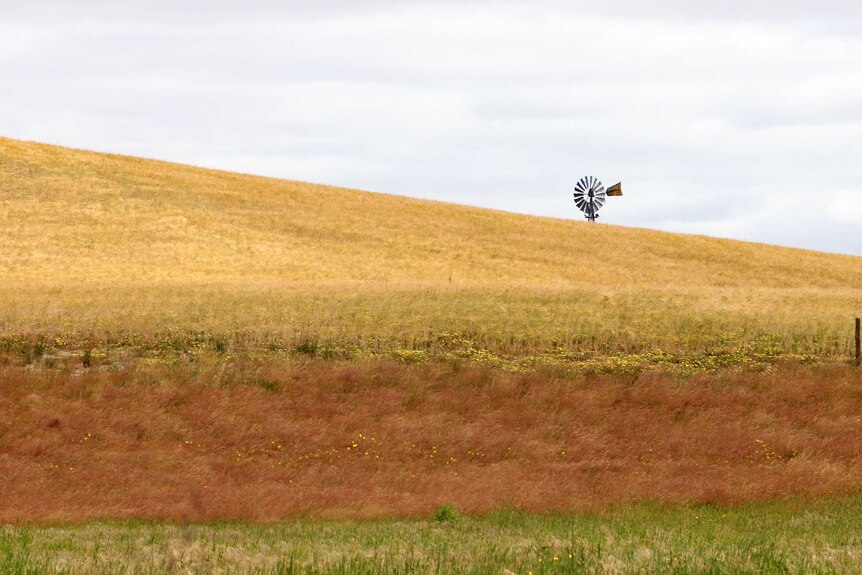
(858, 341)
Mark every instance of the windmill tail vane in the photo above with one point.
(590, 195)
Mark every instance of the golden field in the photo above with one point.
(187, 344)
(99, 249)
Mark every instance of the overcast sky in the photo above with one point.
(740, 119)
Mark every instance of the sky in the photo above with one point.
(733, 119)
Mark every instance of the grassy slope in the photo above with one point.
(121, 255)
(105, 243)
(86, 217)
(255, 441)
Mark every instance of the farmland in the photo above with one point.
(190, 357)
(102, 251)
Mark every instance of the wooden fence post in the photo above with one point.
(858, 341)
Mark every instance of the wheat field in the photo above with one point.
(99, 250)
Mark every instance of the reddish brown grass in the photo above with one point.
(267, 441)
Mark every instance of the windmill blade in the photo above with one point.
(581, 193)
(583, 185)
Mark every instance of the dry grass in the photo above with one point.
(163, 331)
(74, 216)
(96, 249)
(358, 319)
(259, 441)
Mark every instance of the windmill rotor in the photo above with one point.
(590, 195)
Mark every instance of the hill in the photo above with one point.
(187, 344)
(75, 216)
(96, 243)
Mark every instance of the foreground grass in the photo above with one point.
(780, 537)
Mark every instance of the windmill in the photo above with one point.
(590, 195)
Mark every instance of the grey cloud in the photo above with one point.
(717, 118)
